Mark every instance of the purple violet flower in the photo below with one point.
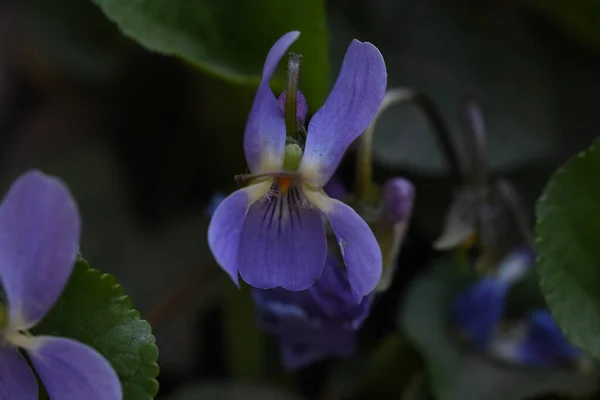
(272, 232)
(478, 310)
(316, 323)
(39, 236)
(544, 343)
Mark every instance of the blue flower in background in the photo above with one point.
(479, 309)
(544, 342)
(272, 232)
(316, 323)
(39, 236)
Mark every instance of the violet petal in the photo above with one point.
(359, 248)
(224, 231)
(39, 236)
(264, 136)
(544, 343)
(71, 370)
(478, 310)
(398, 199)
(347, 112)
(17, 381)
(282, 244)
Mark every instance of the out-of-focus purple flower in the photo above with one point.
(479, 309)
(316, 323)
(398, 199)
(544, 343)
(39, 236)
(272, 232)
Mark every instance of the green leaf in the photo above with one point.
(229, 38)
(94, 311)
(456, 373)
(568, 228)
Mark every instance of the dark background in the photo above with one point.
(144, 141)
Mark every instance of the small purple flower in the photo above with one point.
(479, 309)
(544, 343)
(272, 232)
(39, 236)
(316, 323)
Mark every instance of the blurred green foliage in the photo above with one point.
(230, 39)
(458, 373)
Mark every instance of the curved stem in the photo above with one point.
(364, 177)
(474, 123)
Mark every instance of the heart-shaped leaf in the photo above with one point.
(229, 38)
(568, 228)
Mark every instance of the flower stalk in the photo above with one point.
(364, 173)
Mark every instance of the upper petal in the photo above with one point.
(39, 236)
(282, 244)
(347, 112)
(71, 370)
(17, 381)
(264, 137)
(359, 248)
(224, 231)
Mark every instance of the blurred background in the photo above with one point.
(146, 140)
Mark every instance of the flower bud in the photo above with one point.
(398, 198)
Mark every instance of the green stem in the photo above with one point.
(364, 177)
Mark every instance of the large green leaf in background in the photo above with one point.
(229, 38)
(94, 311)
(458, 374)
(568, 246)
